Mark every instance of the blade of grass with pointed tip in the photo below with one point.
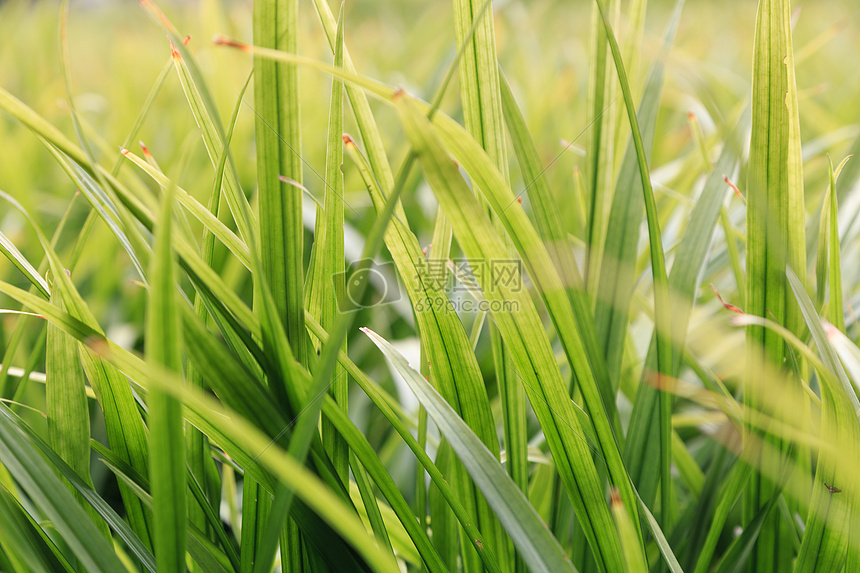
(600, 170)
(367, 127)
(775, 231)
(332, 276)
(662, 307)
(167, 448)
(837, 314)
(540, 550)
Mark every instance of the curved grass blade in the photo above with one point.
(540, 550)
(51, 497)
(15, 257)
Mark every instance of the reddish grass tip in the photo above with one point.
(733, 186)
(347, 140)
(691, 115)
(614, 497)
(220, 40)
(728, 306)
(124, 151)
(520, 200)
(185, 40)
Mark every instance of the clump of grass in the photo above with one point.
(577, 398)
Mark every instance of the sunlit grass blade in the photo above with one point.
(662, 309)
(279, 148)
(684, 279)
(600, 172)
(482, 115)
(437, 477)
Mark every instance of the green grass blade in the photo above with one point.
(11, 252)
(837, 313)
(555, 236)
(386, 407)
(775, 232)
(616, 272)
(67, 406)
(662, 307)
(94, 501)
(167, 449)
(482, 115)
(371, 504)
(279, 148)
(600, 171)
(455, 369)
(684, 280)
(332, 275)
